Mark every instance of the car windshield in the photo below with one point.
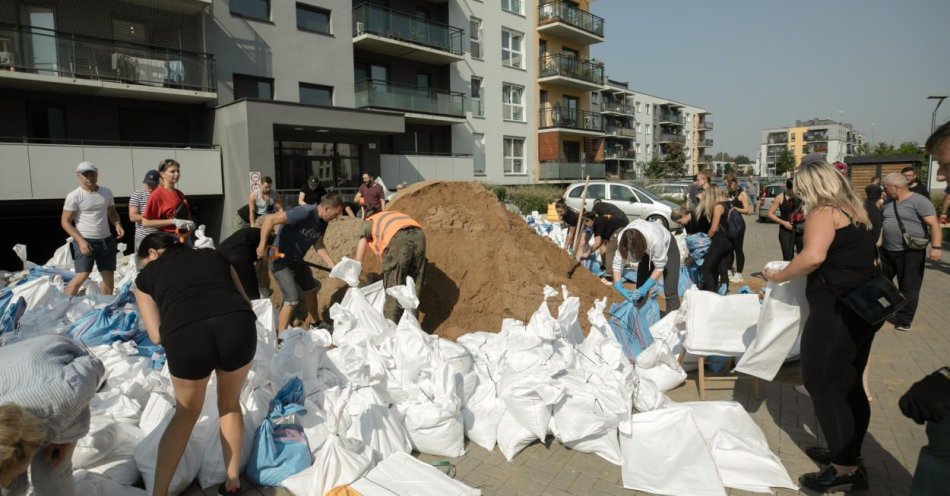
(774, 190)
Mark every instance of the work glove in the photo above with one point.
(928, 400)
(626, 293)
(184, 225)
(644, 290)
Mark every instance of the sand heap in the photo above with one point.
(485, 264)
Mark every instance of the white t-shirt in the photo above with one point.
(92, 211)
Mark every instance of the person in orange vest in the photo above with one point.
(400, 244)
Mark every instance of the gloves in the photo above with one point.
(626, 293)
(644, 290)
(184, 225)
(928, 400)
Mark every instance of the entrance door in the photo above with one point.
(41, 42)
(569, 112)
(572, 151)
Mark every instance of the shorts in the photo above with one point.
(224, 342)
(294, 279)
(103, 255)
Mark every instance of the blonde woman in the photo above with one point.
(839, 254)
(46, 384)
(711, 216)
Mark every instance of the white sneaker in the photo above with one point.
(736, 277)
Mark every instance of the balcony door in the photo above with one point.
(572, 151)
(40, 43)
(569, 110)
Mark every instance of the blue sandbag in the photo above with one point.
(630, 325)
(105, 326)
(11, 313)
(280, 450)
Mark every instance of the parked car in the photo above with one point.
(765, 199)
(670, 191)
(635, 201)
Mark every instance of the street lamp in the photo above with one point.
(933, 127)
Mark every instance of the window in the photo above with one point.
(621, 193)
(312, 19)
(595, 98)
(47, 120)
(638, 107)
(475, 37)
(253, 87)
(252, 9)
(514, 156)
(513, 6)
(648, 148)
(478, 108)
(315, 94)
(594, 192)
(511, 48)
(513, 100)
(478, 154)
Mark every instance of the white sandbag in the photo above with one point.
(302, 355)
(156, 410)
(266, 325)
(512, 437)
(119, 407)
(363, 320)
(405, 294)
(202, 240)
(92, 484)
(720, 325)
(587, 419)
(314, 425)
(567, 318)
(36, 292)
(483, 411)
(347, 270)
(658, 364)
(432, 418)
(106, 439)
(373, 424)
(341, 460)
(647, 397)
(529, 398)
(412, 350)
(375, 295)
(739, 447)
(63, 256)
(781, 321)
(403, 475)
(664, 453)
(600, 345)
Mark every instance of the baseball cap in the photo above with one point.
(313, 180)
(86, 166)
(151, 178)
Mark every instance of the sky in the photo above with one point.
(758, 64)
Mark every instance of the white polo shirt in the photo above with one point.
(92, 211)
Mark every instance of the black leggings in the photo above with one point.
(836, 344)
(671, 275)
(716, 263)
(790, 242)
(224, 342)
(737, 242)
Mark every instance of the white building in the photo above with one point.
(836, 140)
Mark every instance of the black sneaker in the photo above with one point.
(822, 456)
(223, 491)
(827, 481)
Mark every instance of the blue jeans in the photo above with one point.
(47, 480)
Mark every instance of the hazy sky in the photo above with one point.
(757, 64)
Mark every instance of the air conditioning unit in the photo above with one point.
(359, 28)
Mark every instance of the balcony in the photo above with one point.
(424, 105)
(564, 20)
(777, 139)
(816, 136)
(669, 138)
(571, 120)
(554, 171)
(619, 154)
(704, 143)
(620, 132)
(412, 168)
(706, 126)
(404, 35)
(46, 60)
(34, 171)
(670, 119)
(570, 71)
(615, 108)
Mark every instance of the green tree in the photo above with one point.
(655, 169)
(863, 150)
(729, 169)
(742, 160)
(723, 157)
(785, 162)
(884, 149)
(675, 160)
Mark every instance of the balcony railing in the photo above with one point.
(670, 118)
(571, 170)
(620, 131)
(478, 107)
(778, 140)
(384, 94)
(816, 137)
(706, 126)
(619, 153)
(671, 138)
(55, 53)
(404, 26)
(558, 11)
(705, 143)
(618, 107)
(571, 118)
(572, 67)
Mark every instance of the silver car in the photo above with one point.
(670, 191)
(766, 197)
(635, 201)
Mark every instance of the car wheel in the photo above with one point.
(660, 219)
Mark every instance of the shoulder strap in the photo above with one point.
(898, 215)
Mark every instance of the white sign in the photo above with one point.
(255, 181)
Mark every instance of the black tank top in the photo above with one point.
(736, 201)
(850, 260)
(789, 205)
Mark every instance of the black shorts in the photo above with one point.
(225, 342)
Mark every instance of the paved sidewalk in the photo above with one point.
(786, 417)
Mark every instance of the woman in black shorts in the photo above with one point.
(192, 303)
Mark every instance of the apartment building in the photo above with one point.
(570, 127)
(836, 140)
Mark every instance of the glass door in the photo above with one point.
(41, 40)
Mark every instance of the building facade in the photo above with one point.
(837, 140)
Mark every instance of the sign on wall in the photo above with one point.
(255, 178)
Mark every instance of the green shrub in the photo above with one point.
(500, 192)
(534, 197)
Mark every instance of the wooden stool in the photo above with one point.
(703, 379)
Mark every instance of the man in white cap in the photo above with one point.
(87, 213)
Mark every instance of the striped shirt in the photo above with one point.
(139, 199)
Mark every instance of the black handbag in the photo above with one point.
(876, 300)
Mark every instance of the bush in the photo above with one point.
(500, 192)
(533, 197)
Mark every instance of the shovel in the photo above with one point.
(273, 254)
(577, 231)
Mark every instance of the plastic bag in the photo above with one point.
(347, 270)
(201, 240)
(280, 449)
(629, 329)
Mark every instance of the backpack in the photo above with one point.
(734, 223)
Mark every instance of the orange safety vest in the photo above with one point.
(385, 226)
